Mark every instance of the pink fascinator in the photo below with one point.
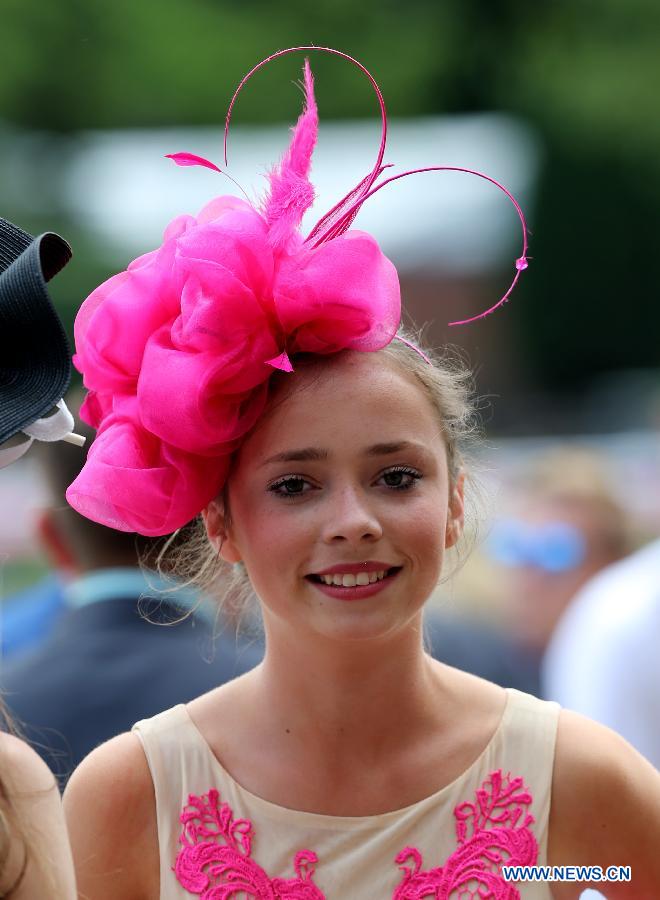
(177, 351)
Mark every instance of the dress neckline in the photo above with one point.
(304, 818)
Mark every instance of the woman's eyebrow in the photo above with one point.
(306, 454)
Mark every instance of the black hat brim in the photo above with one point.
(35, 360)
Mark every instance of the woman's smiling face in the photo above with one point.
(347, 467)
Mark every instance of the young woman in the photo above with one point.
(348, 764)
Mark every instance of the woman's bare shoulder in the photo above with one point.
(23, 766)
(605, 806)
(110, 808)
(40, 854)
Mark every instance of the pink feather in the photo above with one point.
(291, 192)
(191, 159)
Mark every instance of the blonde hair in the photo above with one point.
(188, 557)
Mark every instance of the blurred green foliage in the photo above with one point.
(584, 74)
(587, 71)
(20, 573)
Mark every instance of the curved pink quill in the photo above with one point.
(363, 187)
(339, 219)
(521, 263)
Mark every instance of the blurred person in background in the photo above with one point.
(29, 615)
(35, 369)
(481, 649)
(565, 526)
(126, 644)
(603, 659)
(35, 372)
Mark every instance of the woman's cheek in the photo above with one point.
(427, 531)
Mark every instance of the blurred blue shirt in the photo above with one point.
(29, 616)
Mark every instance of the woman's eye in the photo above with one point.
(293, 486)
(400, 478)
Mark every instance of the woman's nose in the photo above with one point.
(349, 516)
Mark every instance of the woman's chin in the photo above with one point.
(347, 627)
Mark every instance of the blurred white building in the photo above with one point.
(119, 184)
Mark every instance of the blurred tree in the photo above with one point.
(78, 65)
(587, 75)
(589, 72)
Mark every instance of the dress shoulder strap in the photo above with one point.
(179, 763)
(525, 746)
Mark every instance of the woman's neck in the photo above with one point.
(356, 700)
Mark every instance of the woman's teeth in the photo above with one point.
(352, 580)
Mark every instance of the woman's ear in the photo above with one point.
(217, 532)
(456, 512)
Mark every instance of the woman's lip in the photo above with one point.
(370, 565)
(359, 592)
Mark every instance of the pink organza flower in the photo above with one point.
(177, 351)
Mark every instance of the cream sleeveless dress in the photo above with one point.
(217, 840)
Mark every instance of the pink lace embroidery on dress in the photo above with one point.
(215, 859)
(220, 871)
(489, 833)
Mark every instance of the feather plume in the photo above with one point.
(291, 192)
(191, 159)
